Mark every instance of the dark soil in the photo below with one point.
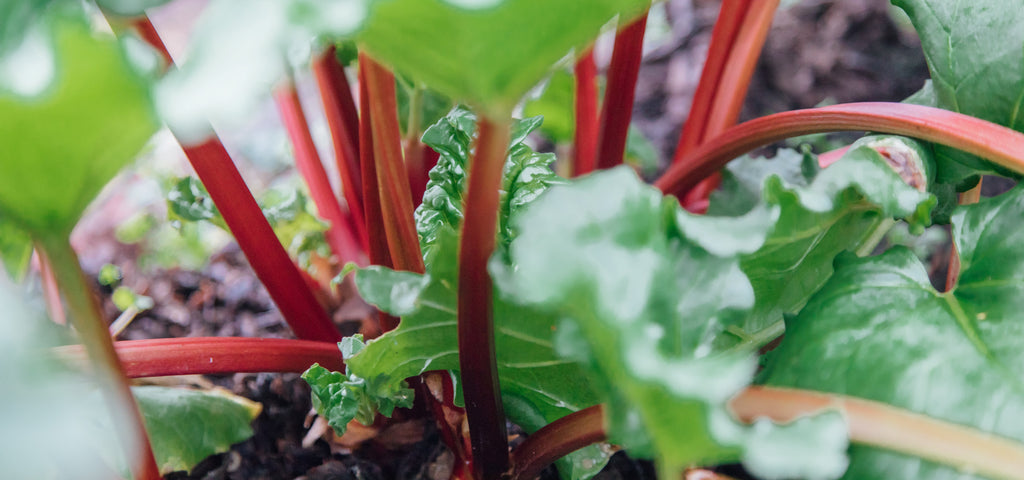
(818, 51)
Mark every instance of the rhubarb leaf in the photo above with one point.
(975, 52)
(186, 426)
(15, 249)
(88, 118)
(525, 176)
(129, 7)
(823, 213)
(537, 386)
(485, 52)
(879, 330)
(642, 290)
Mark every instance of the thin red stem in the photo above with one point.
(343, 122)
(342, 240)
(258, 242)
(255, 237)
(392, 178)
(477, 363)
(730, 17)
(216, 355)
(617, 107)
(994, 142)
(556, 440)
(587, 121)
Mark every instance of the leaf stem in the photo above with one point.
(215, 355)
(343, 122)
(617, 107)
(556, 440)
(875, 236)
(255, 237)
(392, 179)
(587, 122)
(484, 410)
(342, 240)
(85, 316)
(880, 425)
(996, 143)
(969, 197)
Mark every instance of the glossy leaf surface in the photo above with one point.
(880, 331)
(61, 144)
(823, 213)
(975, 52)
(186, 426)
(644, 289)
(537, 386)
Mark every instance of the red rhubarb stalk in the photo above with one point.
(484, 409)
(587, 122)
(392, 179)
(617, 108)
(216, 355)
(255, 237)
(343, 241)
(730, 17)
(994, 142)
(556, 440)
(343, 122)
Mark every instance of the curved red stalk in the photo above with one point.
(213, 355)
(587, 122)
(484, 410)
(255, 237)
(342, 240)
(556, 440)
(617, 107)
(988, 140)
(730, 16)
(392, 178)
(343, 122)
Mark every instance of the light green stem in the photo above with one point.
(85, 317)
(872, 239)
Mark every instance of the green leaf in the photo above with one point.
(975, 52)
(556, 103)
(15, 249)
(88, 115)
(343, 398)
(526, 175)
(537, 386)
(301, 232)
(48, 426)
(879, 330)
(188, 200)
(16, 18)
(432, 106)
(186, 426)
(824, 213)
(485, 52)
(643, 290)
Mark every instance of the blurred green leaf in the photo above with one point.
(62, 145)
(15, 249)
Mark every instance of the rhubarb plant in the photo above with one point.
(751, 325)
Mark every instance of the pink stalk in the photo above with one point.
(617, 107)
(994, 142)
(216, 355)
(342, 240)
